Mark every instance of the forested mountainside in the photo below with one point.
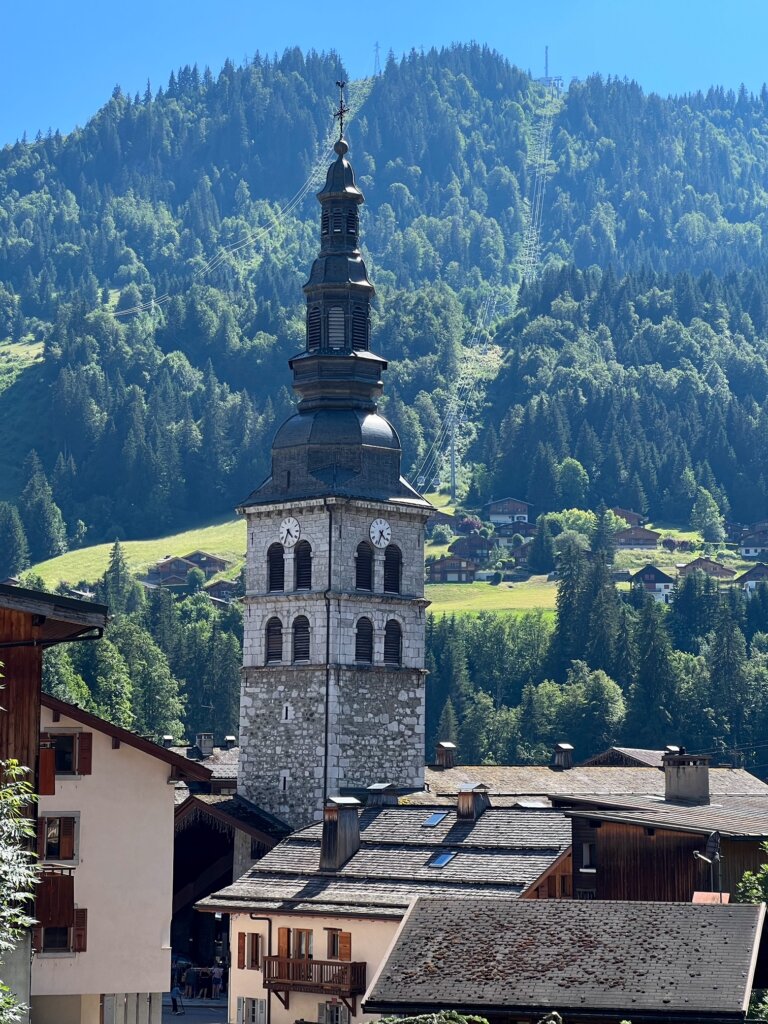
(642, 351)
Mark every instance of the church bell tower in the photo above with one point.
(332, 693)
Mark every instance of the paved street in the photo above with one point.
(198, 1011)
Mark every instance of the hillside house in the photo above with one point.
(636, 537)
(507, 510)
(596, 963)
(173, 566)
(643, 848)
(103, 953)
(472, 547)
(708, 566)
(312, 920)
(754, 545)
(223, 590)
(630, 518)
(440, 518)
(451, 569)
(752, 578)
(207, 563)
(654, 582)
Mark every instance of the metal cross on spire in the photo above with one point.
(343, 108)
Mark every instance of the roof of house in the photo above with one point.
(752, 540)
(706, 564)
(235, 811)
(498, 501)
(183, 767)
(628, 755)
(501, 853)
(737, 818)
(222, 763)
(668, 961)
(61, 618)
(657, 573)
(636, 531)
(759, 571)
(511, 782)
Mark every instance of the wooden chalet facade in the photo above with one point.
(654, 582)
(709, 567)
(750, 580)
(451, 569)
(754, 545)
(636, 537)
(473, 547)
(508, 510)
(630, 518)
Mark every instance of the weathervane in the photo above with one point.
(343, 108)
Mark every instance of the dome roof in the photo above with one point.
(340, 179)
(337, 427)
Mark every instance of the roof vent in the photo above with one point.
(341, 832)
(204, 743)
(562, 756)
(472, 800)
(445, 754)
(167, 741)
(686, 777)
(381, 794)
(230, 742)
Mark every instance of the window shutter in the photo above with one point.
(302, 561)
(284, 942)
(253, 959)
(37, 938)
(67, 839)
(42, 826)
(80, 931)
(345, 946)
(364, 641)
(240, 1009)
(274, 640)
(336, 326)
(46, 772)
(85, 753)
(393, 643)
(261, 1011)
(364, 567)
(55, 900)
(301, 638)
(276, 568)
(241, 940)
(393, 560)
(322, 1013)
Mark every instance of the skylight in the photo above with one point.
(434, 819)
(441, 859)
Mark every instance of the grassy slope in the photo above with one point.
(482, 597)
(226, 539)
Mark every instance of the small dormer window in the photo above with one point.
(336, 327)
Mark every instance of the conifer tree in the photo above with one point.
(14, 551)
(541, 558)
(118, 589)
(40, 515)
(448, 724)
(651, 697)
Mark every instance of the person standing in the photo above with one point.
(217, 975)
(175, 999)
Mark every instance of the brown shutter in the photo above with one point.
(345, 946)
(85, 753)
(55, 900)
(253, 960)
(67, 839)
(241, 951)
(37, 938)
(284, 942)
(46, 772)
(80, 931)
(42, 827)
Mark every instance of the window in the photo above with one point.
(364, 566)
(251, 1011)
(434, 819)
(335, 327)
(352, 221)
(56, 940)
(65, 747)
(393, 561)
(439, 860)
(302, 561)
(56, 838)
(332, 1013)
(274, 645)
(248, 951)
(72, 752)
(275, 568)
(313, 329)
(393, 643)
(359, 329)
(294, 943)
(339, 944)
(338, 217)
(364, 641)
(67, 932)
(325, 220)
(588, 855)
(301, 638)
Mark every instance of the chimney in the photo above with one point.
(381, 794)
(472, 800)
(562, 756)
(341, 832)
(167, 741)
(204, 743)
(445, 754)
(686, 777)
(230, 742)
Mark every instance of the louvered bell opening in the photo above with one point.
(336, 327)
(392, 569)
(274, 640)
(276, 568)
(393, 643)
(364, 641)
(337, 220)
(364, 567)
(301, 639)
(313, 329)
(359, 330)
(303, 564)
(325, 221)
(352, 221)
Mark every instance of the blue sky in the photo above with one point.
(62, 58)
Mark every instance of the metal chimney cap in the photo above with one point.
(446, 745)
(563, 746)
(380, 787)
(344, 801)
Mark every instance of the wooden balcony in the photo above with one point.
(344, 980)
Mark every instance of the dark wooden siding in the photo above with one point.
(20, 696)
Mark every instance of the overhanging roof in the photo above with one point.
(59, 618)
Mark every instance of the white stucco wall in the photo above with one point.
(370, 941)
(124, 873)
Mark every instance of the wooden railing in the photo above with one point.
(335, 977)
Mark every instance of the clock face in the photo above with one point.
(290, 531)
(381, 532)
